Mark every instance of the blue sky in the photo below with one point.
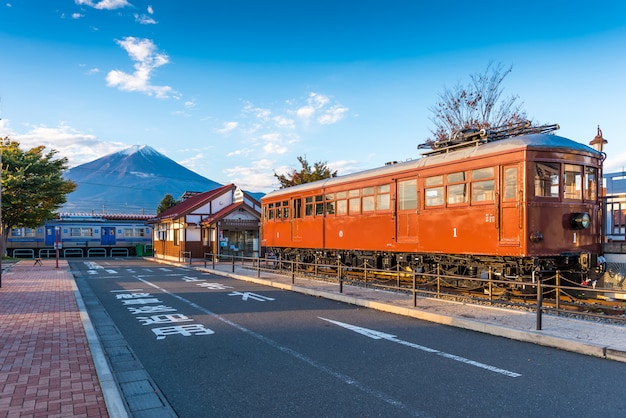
(236, 90)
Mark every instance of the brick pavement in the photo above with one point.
(46, 367)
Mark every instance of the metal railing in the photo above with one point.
(564, 295)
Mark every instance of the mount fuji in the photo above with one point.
(131, 181)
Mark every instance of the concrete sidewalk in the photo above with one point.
(580, 336)
(47, 368)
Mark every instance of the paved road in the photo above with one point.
(215, 346)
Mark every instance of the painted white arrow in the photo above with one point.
(377, 335)
(250, 295)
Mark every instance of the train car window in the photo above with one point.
(354, 205)
(433, 181)
(591, 182)
(308, 206)
(342, 203)
(81, 232)
(382, 197)
(319, 205)
(573, 178)
(510, 183)
(278, 211)
(547, 178)
(482, 191)
(17, 232)
(286, 209)
(457, 189)
(367, 204)
(407, 195)
(269, 212)
(434, 196)
(457, 193)
(367, 201)
(330, 204)
(297, 208)
(482, 173)
(456, 177)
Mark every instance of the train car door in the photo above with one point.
(510, 216)
(407, 211)
(107, 236)
(296, 219)
(51, 236)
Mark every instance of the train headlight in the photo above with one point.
(536, 236)
(580, 220)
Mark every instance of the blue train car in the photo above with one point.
(78, 235)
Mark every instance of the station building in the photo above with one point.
(223, 221)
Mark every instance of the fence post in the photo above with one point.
(490, 286)
(233, 258)
(339, 276)
(558, 292)
(438, 280)
(539, 301)
(293, 273)
(365, 274)
(213, 258)
(414, 289)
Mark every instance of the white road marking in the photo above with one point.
(377, 335)
(299, 356)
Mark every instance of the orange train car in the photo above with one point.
(513, 200)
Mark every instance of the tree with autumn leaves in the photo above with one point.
(480, 104)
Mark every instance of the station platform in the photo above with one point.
(53, 363)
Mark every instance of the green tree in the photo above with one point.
(33, 187)
(307, 174)
(478, 105)
(167, 202)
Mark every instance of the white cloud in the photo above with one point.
(78, 147)
(77, 15)
(150, 10)
(228, 127)
(144, 19)
(104, 4)
(319, 106)
(147, 58)
(242, 152)
(258, 176)
(332, 115)
(305, 112)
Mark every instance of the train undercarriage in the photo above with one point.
(571, 269)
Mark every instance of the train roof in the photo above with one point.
(531, 141)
